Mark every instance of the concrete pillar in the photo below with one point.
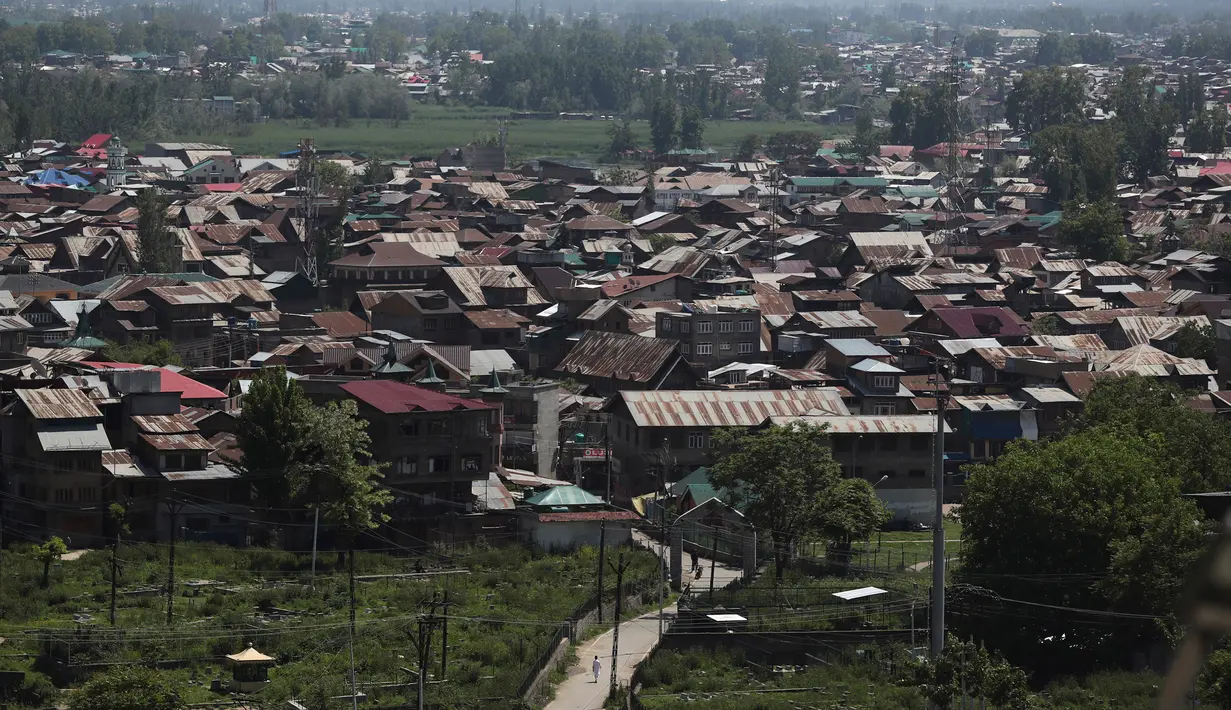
(675, 537)
(749, 544)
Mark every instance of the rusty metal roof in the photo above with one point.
(713, 408)
(58, 404)
(177, 442)
(869, 424)
(1088, 342)
(496, 318)
(631, 358)
(163, 423)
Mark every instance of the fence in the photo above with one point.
(533, 685)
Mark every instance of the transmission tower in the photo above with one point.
(307, 184)
(952, 78)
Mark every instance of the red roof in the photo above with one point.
(617, 287)
(587, 515)
(98, 140)
(396, 397)
(340, 324)
(980, 322)
(169, 380)
(223, 187)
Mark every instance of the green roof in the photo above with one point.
(563, 497)
(835, 181)
(916, 218)
(915, 190)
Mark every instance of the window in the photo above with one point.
(724, 346)
(64, 495)
(481, 425)
(883, 382)
(884, 409)
(410, 428)
(471, 464)
(438, 426)
(705, 349)
(726, 326)
(976, 374)
(920, 442)
(406, 466)
(685, 349)
(668, 324)
(438, 464)
(747, 326)
(705, 326)
(745, 348)
(685, 326)
(174, 462)
(696, 440)
(429, 324)
(917, 473)
(888, 443)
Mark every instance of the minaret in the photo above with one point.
(117, 174)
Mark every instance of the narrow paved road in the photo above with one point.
(637, 638)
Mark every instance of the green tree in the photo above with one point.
(867, 138)
(1056, 49)
(127, 688)
(1207, 132)
(333, 174)
(747, 147)
(326, 472)
(159, 353)
(1046, 324)
(789, 144)
(982, 43)
(48, 553)
(1194, 447)
(850, 511)
(1091, 521)
(1146, 123)
(157, 247)
(663, 124)
(1095, 230)
(967, 667)
(268, 432)
(620, 139)
(1214, 684)
(376, 172)
(1077, 162)
(786, 483)
(783, 69)
(619, 176)
(1197, 341)
(692, 128)
(1046, 97)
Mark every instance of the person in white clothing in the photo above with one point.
(598, 668)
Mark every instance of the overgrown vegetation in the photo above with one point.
(506, 602)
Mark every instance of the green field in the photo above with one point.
(506, 603)
(433, 128)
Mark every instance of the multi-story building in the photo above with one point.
(713, 335)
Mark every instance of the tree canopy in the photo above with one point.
(1095, 230)
(157, 247)
(127, 688)
(786, 483)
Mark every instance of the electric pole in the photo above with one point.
(444, 639)
(115, 556)
(602, 555)
(615, 638)
(354, 692)
(938, 525)
(173, 509)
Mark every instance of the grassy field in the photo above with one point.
(506, 604)
(723, 680)
(433, 128)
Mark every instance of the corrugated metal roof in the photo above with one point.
(122, 464)
(837, 319)
(869, 424)
(86, 436)
(1050, 395)
(631, 358)
(58, 404)
(468, 279)
(163, 423)
(1076, 343)
(712, 408)
(177, 442)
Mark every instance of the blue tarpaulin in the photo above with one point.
(53, 176)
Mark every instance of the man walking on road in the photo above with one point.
(598, 668)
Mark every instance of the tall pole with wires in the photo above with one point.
(173, 509)
(938, 523)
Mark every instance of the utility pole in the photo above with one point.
(602, 556)
(173, 508)
(354, 692)
(615, 638)
(607, 454)
(425, 652)
(316, 523)
(444, 639)
(115, 555)
(938, 525)
(713, 562)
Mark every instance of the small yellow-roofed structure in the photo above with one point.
(249, 670)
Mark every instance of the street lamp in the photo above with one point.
(883, 479)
